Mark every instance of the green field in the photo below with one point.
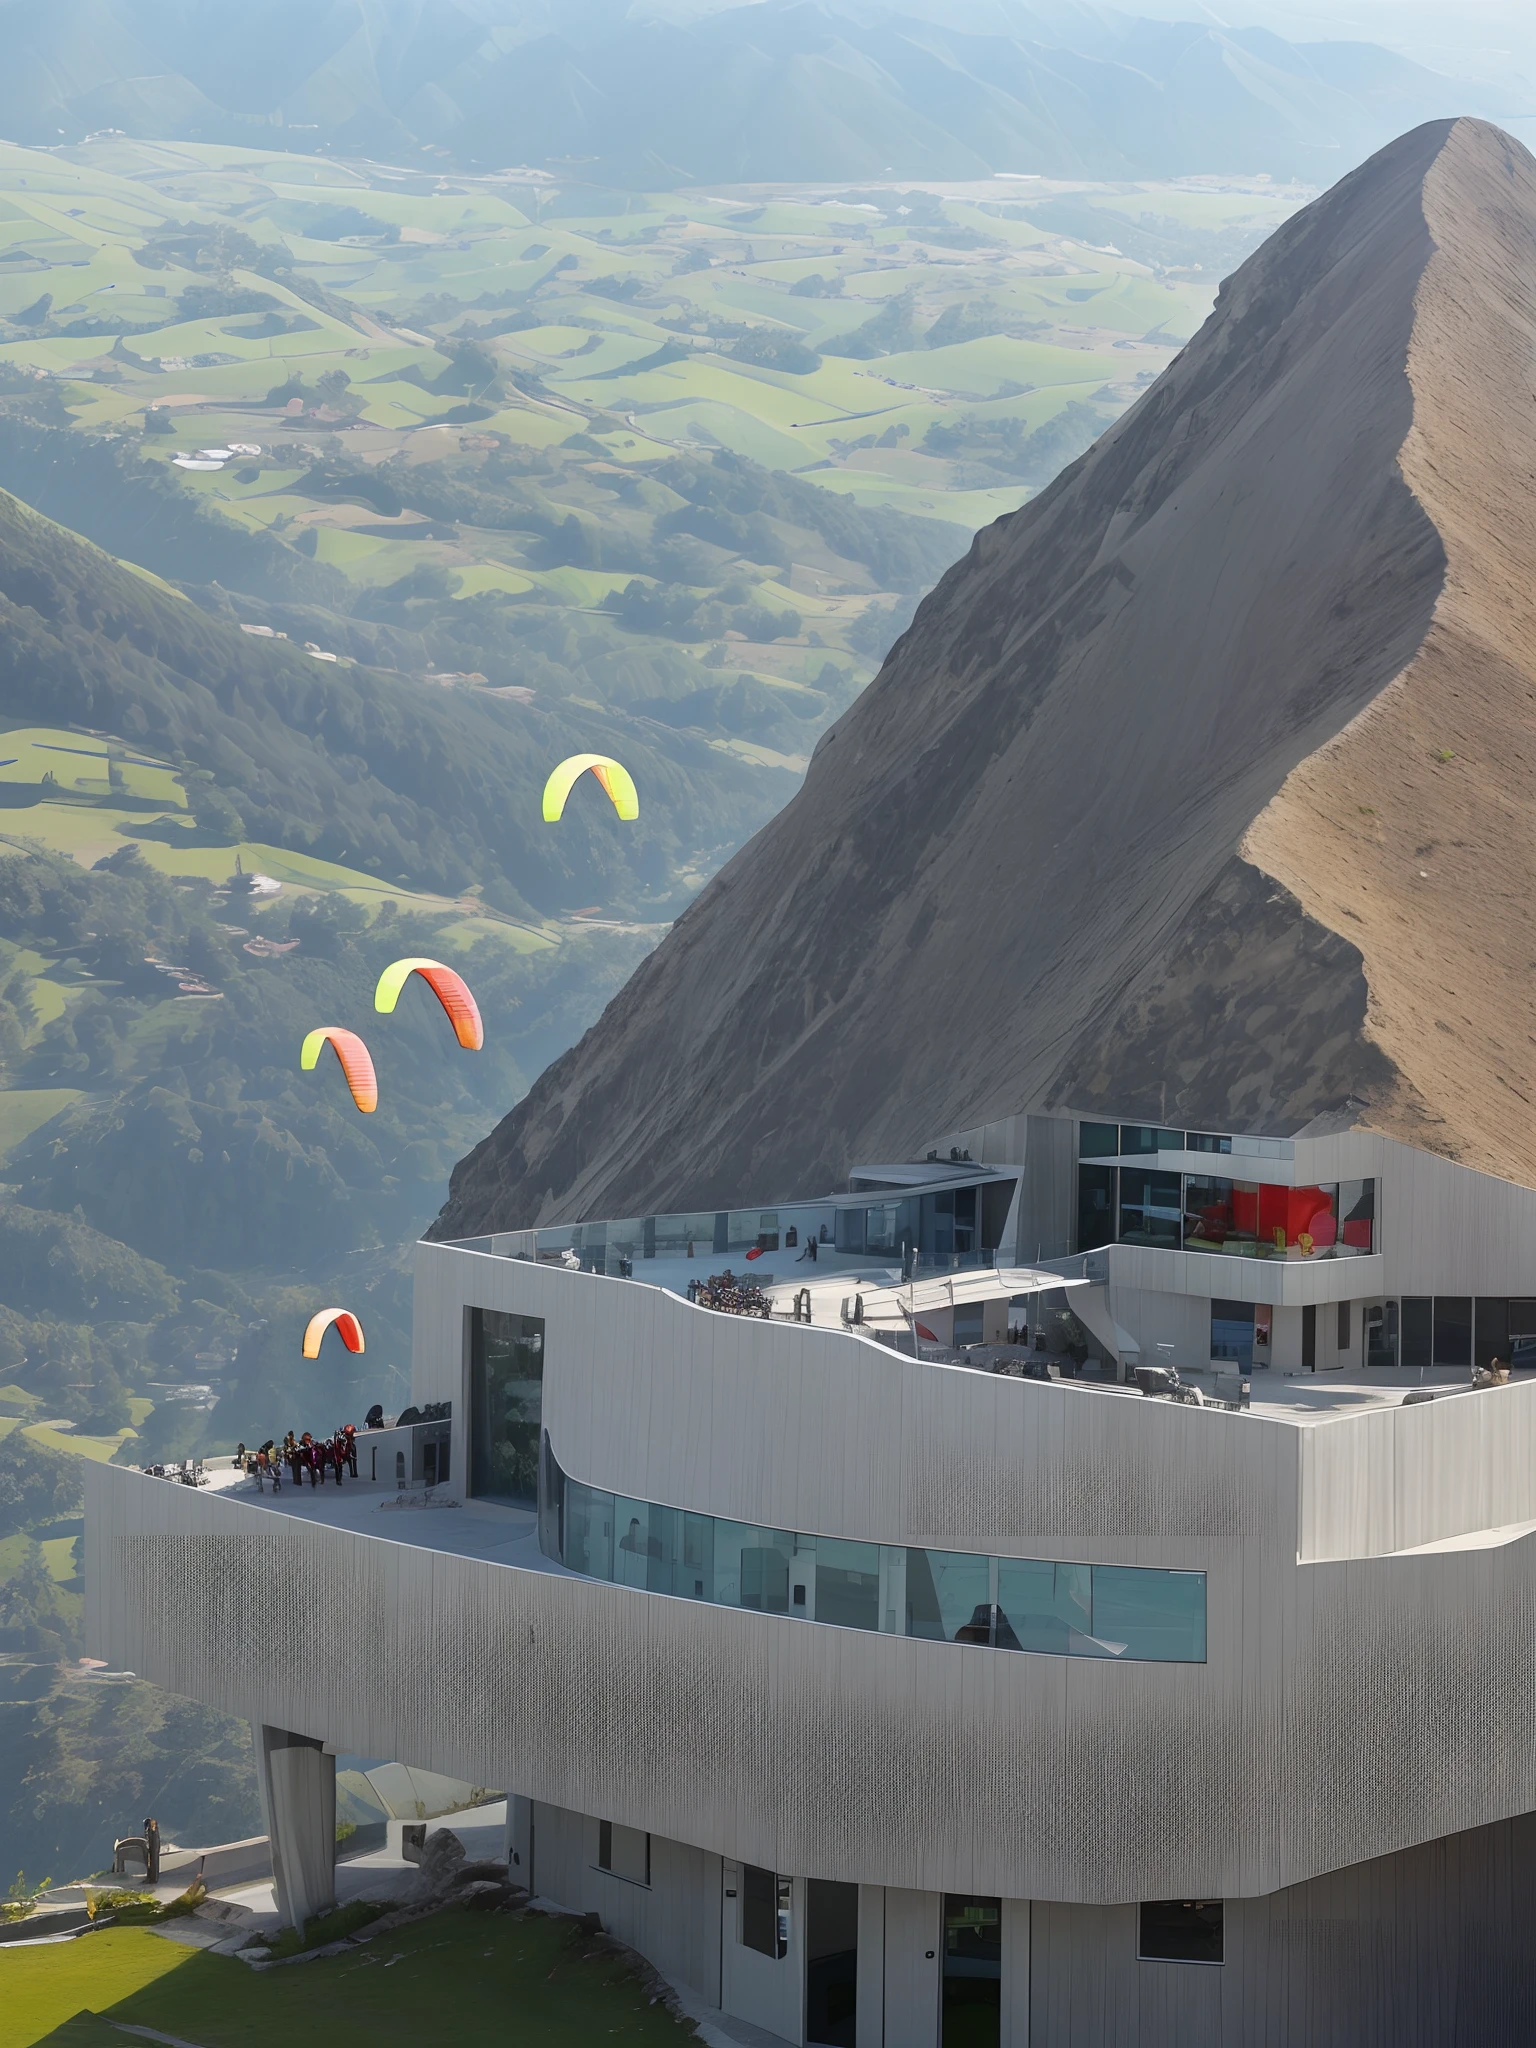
(533, 1981)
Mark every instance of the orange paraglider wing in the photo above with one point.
(451, 990)
(356, 1062)
(348, 1328)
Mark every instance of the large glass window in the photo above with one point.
(1232, 1332)
(1155, 1617)
(1207, 1141)
(1357, 1212)
(949, 1596)
(1047, 1608)
(1151, 1208)
(847, 1583)
(972, 2001)
(1098, 1141)
(1148, 1138)
(1453, 1329)
(760, 1912)
(1095, 1207)
(1418, 1332)
(506, 1401)
(752, 1567)
(1141, 1613)
(1209, 1222)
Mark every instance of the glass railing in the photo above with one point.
(1137, 1613)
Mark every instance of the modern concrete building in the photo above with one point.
(890, 1684)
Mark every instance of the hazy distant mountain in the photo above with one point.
(796, 89)
(1199, 791)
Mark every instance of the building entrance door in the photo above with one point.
(831, 1963)
(972, 1995)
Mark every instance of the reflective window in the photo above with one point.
(759, 1911)
(506, 1373)
(1095, 1207)
(1232, 1332)
(1098, 1141)
(752, 1567)
(1155, 1617)
(1151, 1208)
(1044, 1607)
(949, 1596)
(1148, 1138)
(847, 1583)
(1453, 1329)
(1357, 1212)
(971, 2002)
(1181, 1931)
(1207, 1141)
(1137, 1612)
(1417, 1327)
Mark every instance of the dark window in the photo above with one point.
(1148, 1138)
(626, 1852)
(1453, 1329)
(1344, 1337)
(1490, 1334)
(506, 1399)
(1309, 1338)
(1418, 1331)
(759, 1910)
(1095, 1207)
(1206, 1141)
(973, 1973)
(831, 1963)
(1210, 1223)
(1232, 1332)
(1381, 1334)
(996, 1201)
(1522, 1319)
(1181, 1931)
(1357, 1211)
(1151, 1208)
(1098, 1141)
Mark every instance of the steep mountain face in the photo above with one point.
(778, 89)
(1200, 791)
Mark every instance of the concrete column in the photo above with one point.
(298, 1797)
(520, 1840)
(869, 2024)
(1016, 1974)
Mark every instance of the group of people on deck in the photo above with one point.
(318, 1456)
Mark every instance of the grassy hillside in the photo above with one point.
(485, 471)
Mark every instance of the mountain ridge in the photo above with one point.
(1081, 806)
(796, 89)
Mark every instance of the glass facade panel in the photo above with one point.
(752, 1567)
(588, 1533)
(1150, 1208)
(949, 1595)
(1453, 1329)
(1490, 1332)
(1098, 1141)
(847, 1583)
(1050, 1609)
(1047, 1608)
(1357, 1214)
(1207, 1141)
(971, 2004)
(1148, 1138)
(1155, 1617)
(1232, 1332)
(1381, 1334)
(1181, 1931)
(1095, 1207)
(506, 1354)
(1418, 1330)
(1208, 1215)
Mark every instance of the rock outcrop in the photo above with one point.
(1201, 790)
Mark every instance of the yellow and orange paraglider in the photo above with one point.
(348, 1329)
(614, 777)
(449, 988)
(356, 1062)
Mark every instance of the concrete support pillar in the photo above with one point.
(298, 1797)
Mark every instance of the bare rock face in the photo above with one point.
(1201, 789)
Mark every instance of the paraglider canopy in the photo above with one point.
(613, 775)
(449, 988)
(356, 1062)
(348, 1328)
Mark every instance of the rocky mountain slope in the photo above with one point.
(1201, 790)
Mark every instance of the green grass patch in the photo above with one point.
(327, 1927)
(25, 1110)
(470, 1977)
